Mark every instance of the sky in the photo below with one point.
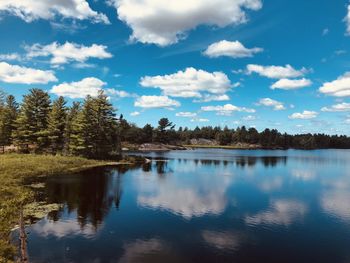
(281, 64)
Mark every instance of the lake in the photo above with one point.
(202, 206)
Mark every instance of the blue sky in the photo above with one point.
(275, 63)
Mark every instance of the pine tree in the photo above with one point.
(106, 126)
(32, 121)
(70, 127)
(8, 116)
(56, 125)
(94, 131)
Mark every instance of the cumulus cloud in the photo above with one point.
(80, 89)
(339, 87)
(271, 103)
(135, 113)
(47, 228)
(305, 115)
(189, 83)
(347, 21)
(227, 109)
(150, 102)
(196, 198)
(341, 107)
(120, 93)
(30, 10)
(209, 97)
(164, 23)
(333, 203)
(233, 49)
(276, 72)
(23, 75)
(186, 114)
(146, 250)
(12, 56)
(281, 212)
(223, 240)
(67, 52)
(289, 84)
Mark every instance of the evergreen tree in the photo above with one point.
(70, 130)
(106, 126)
(147, 132)
(164, 125)
(75, 132)
(94, 132)
(56, 125)
(32, 121)
(8, 116)
(2, 98)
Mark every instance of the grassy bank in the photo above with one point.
(14, 170)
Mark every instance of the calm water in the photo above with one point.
(202, 206)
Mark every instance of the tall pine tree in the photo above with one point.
(8, 116)
(71, 130)
(32, 121)
(56, 125)
(94, 130)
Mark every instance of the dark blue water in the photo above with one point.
(202, 206)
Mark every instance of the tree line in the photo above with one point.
(267, 139)
(92, 129)
(40, 125)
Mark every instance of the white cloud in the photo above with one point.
(347, 21)
(145, 250)
(209, 97)
(199, 120)
(200, 196)
(233, 49)
(222, 240)
(189, 83)
(80, 89)
(23, 75)
(333, 202)
(120, 93)
(47, 228)
(305, 115)
(150, 102)
(83, 65)
(271, 103)
(12, 56)
(339, 87)
(281, 212)
(62, 54)
(227, 109)
(30, 10)
(186, 114)
(166, 22)
(135, 113)
(249, 118)
(276, 72)
(289, 84)
(305, 175)
(341, 107)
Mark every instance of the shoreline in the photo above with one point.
(19, 175)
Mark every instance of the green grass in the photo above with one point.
(14, 169)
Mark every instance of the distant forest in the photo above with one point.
(92, 129)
